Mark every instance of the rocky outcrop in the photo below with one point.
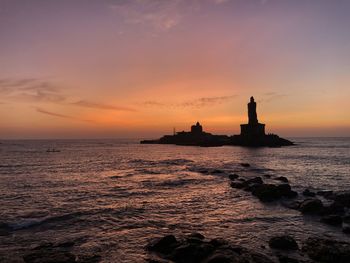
(311, 206)
(284, 242)
(327, 250)
(196, 249)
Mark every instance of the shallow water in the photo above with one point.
(111, 196)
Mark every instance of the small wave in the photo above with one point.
(161, 162)
(34, 222)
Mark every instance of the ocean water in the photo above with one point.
(110, 197)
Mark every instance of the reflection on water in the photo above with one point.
(110, 197)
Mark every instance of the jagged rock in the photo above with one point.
(308, 193)
(311, 206)
(286, 191)
(333, 209)
(233, 176)
(286, 259)
(346, 229)
(255, 180)
(271, 192)
(238, 185)
(284, 242)
(282, 179)
(346, 219)
(163, 245)
(325, 193)
(202, 251)
(327, 250)
(333, 220)
(342, 198)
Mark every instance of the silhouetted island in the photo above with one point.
(252, 134)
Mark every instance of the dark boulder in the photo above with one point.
(255, 180)
(282, 179)
(202, 251)
(191, 252)
(333, 209)
(245, 164)
(238, 185)
(286, 191)
(311, 206)
(334, 220)
(163, 245)
(233, 176)
(325, 193)
(308, 193)
(346, 229)
(342, 198)
(271, 192)
(266, 192)
(286, 259)
(327, 250)
(284, 242)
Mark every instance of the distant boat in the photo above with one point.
(52, 150)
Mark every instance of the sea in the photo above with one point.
(111, 197)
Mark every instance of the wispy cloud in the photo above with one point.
(196, 103)
(269, 96)
(41, 91)
(54, 114)
(160, 15)
(30, 89)
(94, 105)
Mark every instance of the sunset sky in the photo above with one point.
(139, 68)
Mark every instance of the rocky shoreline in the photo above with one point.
(196, 248)
(323, 206)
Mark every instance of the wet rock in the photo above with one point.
(282, 179)
(266, 192)
(292, 204)
(284, 242)
(203, 251)
(233, 176)
(196, 235)
(325, 193)
(238, 185)
(308, 193)
(286, 191)
(255, 180)
(342, 199)
(245, 164)
(346, 229)
(271, 192)
(334, 220)
(191, 252)
(286, 259)
(327, 250)
(333, 209)
(4, 229)
(346, 219)
(194, 238)
(217, 171)
(163, 245)
(311, 206)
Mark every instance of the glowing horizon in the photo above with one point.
(139, 68)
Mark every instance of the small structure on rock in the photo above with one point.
(252, 134)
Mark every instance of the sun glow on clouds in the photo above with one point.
(139, 68)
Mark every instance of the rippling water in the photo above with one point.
(111, 196)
